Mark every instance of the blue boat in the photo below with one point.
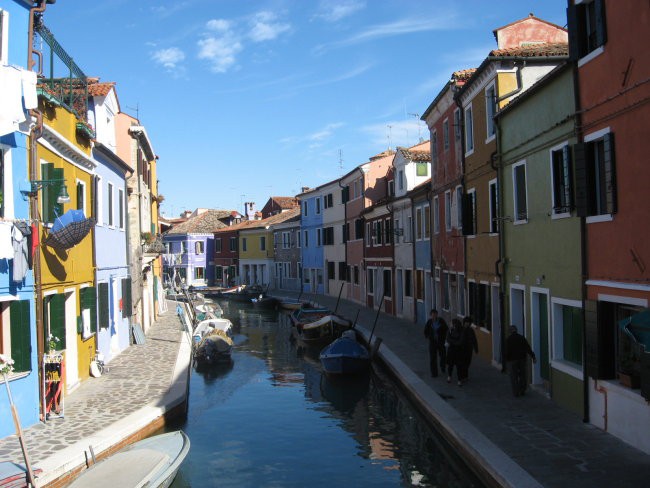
(345, 356)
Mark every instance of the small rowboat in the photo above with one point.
(324, 329)
(345, 356)
(151, 462)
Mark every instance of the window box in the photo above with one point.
(85, 130)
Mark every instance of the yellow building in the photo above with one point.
(66, 288)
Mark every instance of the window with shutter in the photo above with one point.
(103, 305)
(19, 315)
(56, 318)
(88, 300)
(595, 176)
(587, 28)
(127, 304)
(468, 208)
(50, 209)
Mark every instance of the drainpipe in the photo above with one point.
(461, 120)
(345, 219)
(497, 164)
(35, 133)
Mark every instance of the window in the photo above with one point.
(120, 207)
(81, 196)
(519, 192)
(262, 243)
(445, 134)
(218, 273)
(345, 194)
(319, 241)
(490, 110)
(103, 307)
(345, 233)
(587, 28)
(110, 204)
(286, 240)
(298, 243)
(480, 305)
(50, 209)
(356, 275)
(418, 223)
(595, 170)
(561, 180)
(183, 247)
(457, 127)
(328, 236)
(445, 290)
(379, 233)
(304, 209)
(127, 301)
(448, 210)
(469, 213)
(400, 179)
(391, 188)
(355, 187)
(567, 325)
(408, 280)
(494, 207)
(434, 147)
(436, 215)
(469, 130)
(388, 284)
(459, 207)
(369, 235)
(427, 220)
(233, 244)
(317, 205)
(343, 271)
(15, 328)
(397, 230)
(422, 169)
(199, 247)
(409, 230)
(330, 270)
(371, 283)
(88, 304)
(217, 244)
(328, 201)
(358, 229)
(199, 273)
(244, 244)
(461, 294)
(419, 284)
(306, 238)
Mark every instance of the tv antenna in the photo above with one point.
(137, 110)
(417, 117)
(389, 136)
(340, 160)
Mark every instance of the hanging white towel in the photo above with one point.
(6, 245)
(28, 80)
(11, 99)
(21, 255)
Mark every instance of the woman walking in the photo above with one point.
(470, 346)
(455, 355)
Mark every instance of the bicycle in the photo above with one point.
(97, 366)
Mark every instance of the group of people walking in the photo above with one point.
(454, 347)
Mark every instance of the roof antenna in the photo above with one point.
(137, 110)
(390, 135)
(340, 161)
(417, 117)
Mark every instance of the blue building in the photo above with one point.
(311, 240)
(422, 250)
(110, 210)
(17, 324)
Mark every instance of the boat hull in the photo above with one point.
(345, 356)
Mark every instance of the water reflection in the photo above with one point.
(272, 418)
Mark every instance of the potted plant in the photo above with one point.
(628, 372)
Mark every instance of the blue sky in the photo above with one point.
(246, 99)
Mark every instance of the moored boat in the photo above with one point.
(213, 348)
(345, 356)
(305, 315)
(151, 462)
(324, 329)
(288, 303)
(207, 326)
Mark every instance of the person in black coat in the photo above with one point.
(455, 353)
(470, 346)
(517, 349)
(435, 330)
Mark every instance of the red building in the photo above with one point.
(609, 46)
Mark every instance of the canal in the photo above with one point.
(272, 418)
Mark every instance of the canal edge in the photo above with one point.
(490, 463)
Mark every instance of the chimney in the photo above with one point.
(304, 189)
(249, 210)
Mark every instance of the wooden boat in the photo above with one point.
(14, 475)
(324, 329)
(265, 302)
(288, 303)
(305, 315)
(215, 347)
(345, 356)
(151, 462)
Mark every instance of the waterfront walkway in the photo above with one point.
(144, 383)
(520, 442)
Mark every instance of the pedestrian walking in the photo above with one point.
(470, 346)
(517, 348)
(435, 330)
(455, 354)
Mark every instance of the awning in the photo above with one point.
(637, 327)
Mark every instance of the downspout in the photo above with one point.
(461, 120)
(345, 219)
(127, 231)
(35, 133)
(501, 261)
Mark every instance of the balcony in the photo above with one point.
(152, 244)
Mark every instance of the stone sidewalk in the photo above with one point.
(143, 383)
(552, 445)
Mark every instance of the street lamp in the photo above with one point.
(37, 185)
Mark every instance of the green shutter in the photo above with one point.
(103, 305)
(57, 319)
(89, 301)
(126, 297)
(52, 209)
(572, 27)
(610, 173)
(20, 335)
(601, 26)
(467, 212)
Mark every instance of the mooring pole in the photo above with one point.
(339, 298)
(381, 302)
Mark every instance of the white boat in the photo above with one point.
(151, 463)
(212, 341)
(207, 326)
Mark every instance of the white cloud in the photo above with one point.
(396, 28)
(221, 53)
(316, 138)
(169, 58)
(263, 27)
(335, 10)
(219, 25)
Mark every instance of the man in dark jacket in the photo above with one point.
(517, 348)
(436, 331)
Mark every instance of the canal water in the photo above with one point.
(271, 418)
